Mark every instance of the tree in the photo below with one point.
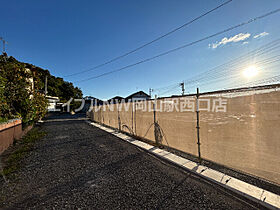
(16, 91)
(19, 99)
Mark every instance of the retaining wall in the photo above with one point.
(10, 131)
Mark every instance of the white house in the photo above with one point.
(52, 101)
(138, 96)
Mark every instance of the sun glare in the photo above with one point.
(250, 71)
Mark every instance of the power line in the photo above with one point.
(232, 76)
(234, 69)
(257, 82)
(218, 80)
(166, 87)
(183, 46)
(154, 40)
(261, 64)
(268, 80)
(218, 70)
(224, 76)
(231, 64)
(242, 84)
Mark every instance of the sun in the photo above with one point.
(250, 71)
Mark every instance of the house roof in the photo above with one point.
(142, 93)
(116, 97)
(90, 97)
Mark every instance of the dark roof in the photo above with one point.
(139, 92)
(89, 97)
(119, 98)
(116, 97)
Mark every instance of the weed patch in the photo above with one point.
(12, 160)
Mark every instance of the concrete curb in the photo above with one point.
(261, 196)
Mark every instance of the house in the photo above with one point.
(116, 99)
(138, 96)
(52, 102)
(30, 80)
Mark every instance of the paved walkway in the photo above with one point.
(79, 166)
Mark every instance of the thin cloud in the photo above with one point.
(237, 38)
(245, 43)
(261, 35)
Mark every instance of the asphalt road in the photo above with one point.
(79, 166)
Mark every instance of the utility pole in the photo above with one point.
(4, 49)
(46, 86)
(4, 42)
(183, 87)
(1, 39)
(150, 92)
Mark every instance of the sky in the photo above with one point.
(71, 36)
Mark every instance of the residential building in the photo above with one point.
(138, 96)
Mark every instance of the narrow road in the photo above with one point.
(77, 165)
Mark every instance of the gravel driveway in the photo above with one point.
(77, 165)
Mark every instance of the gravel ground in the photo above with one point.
(79, 166)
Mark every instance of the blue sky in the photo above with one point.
(66, 37)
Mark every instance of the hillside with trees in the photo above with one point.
(17, 96)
